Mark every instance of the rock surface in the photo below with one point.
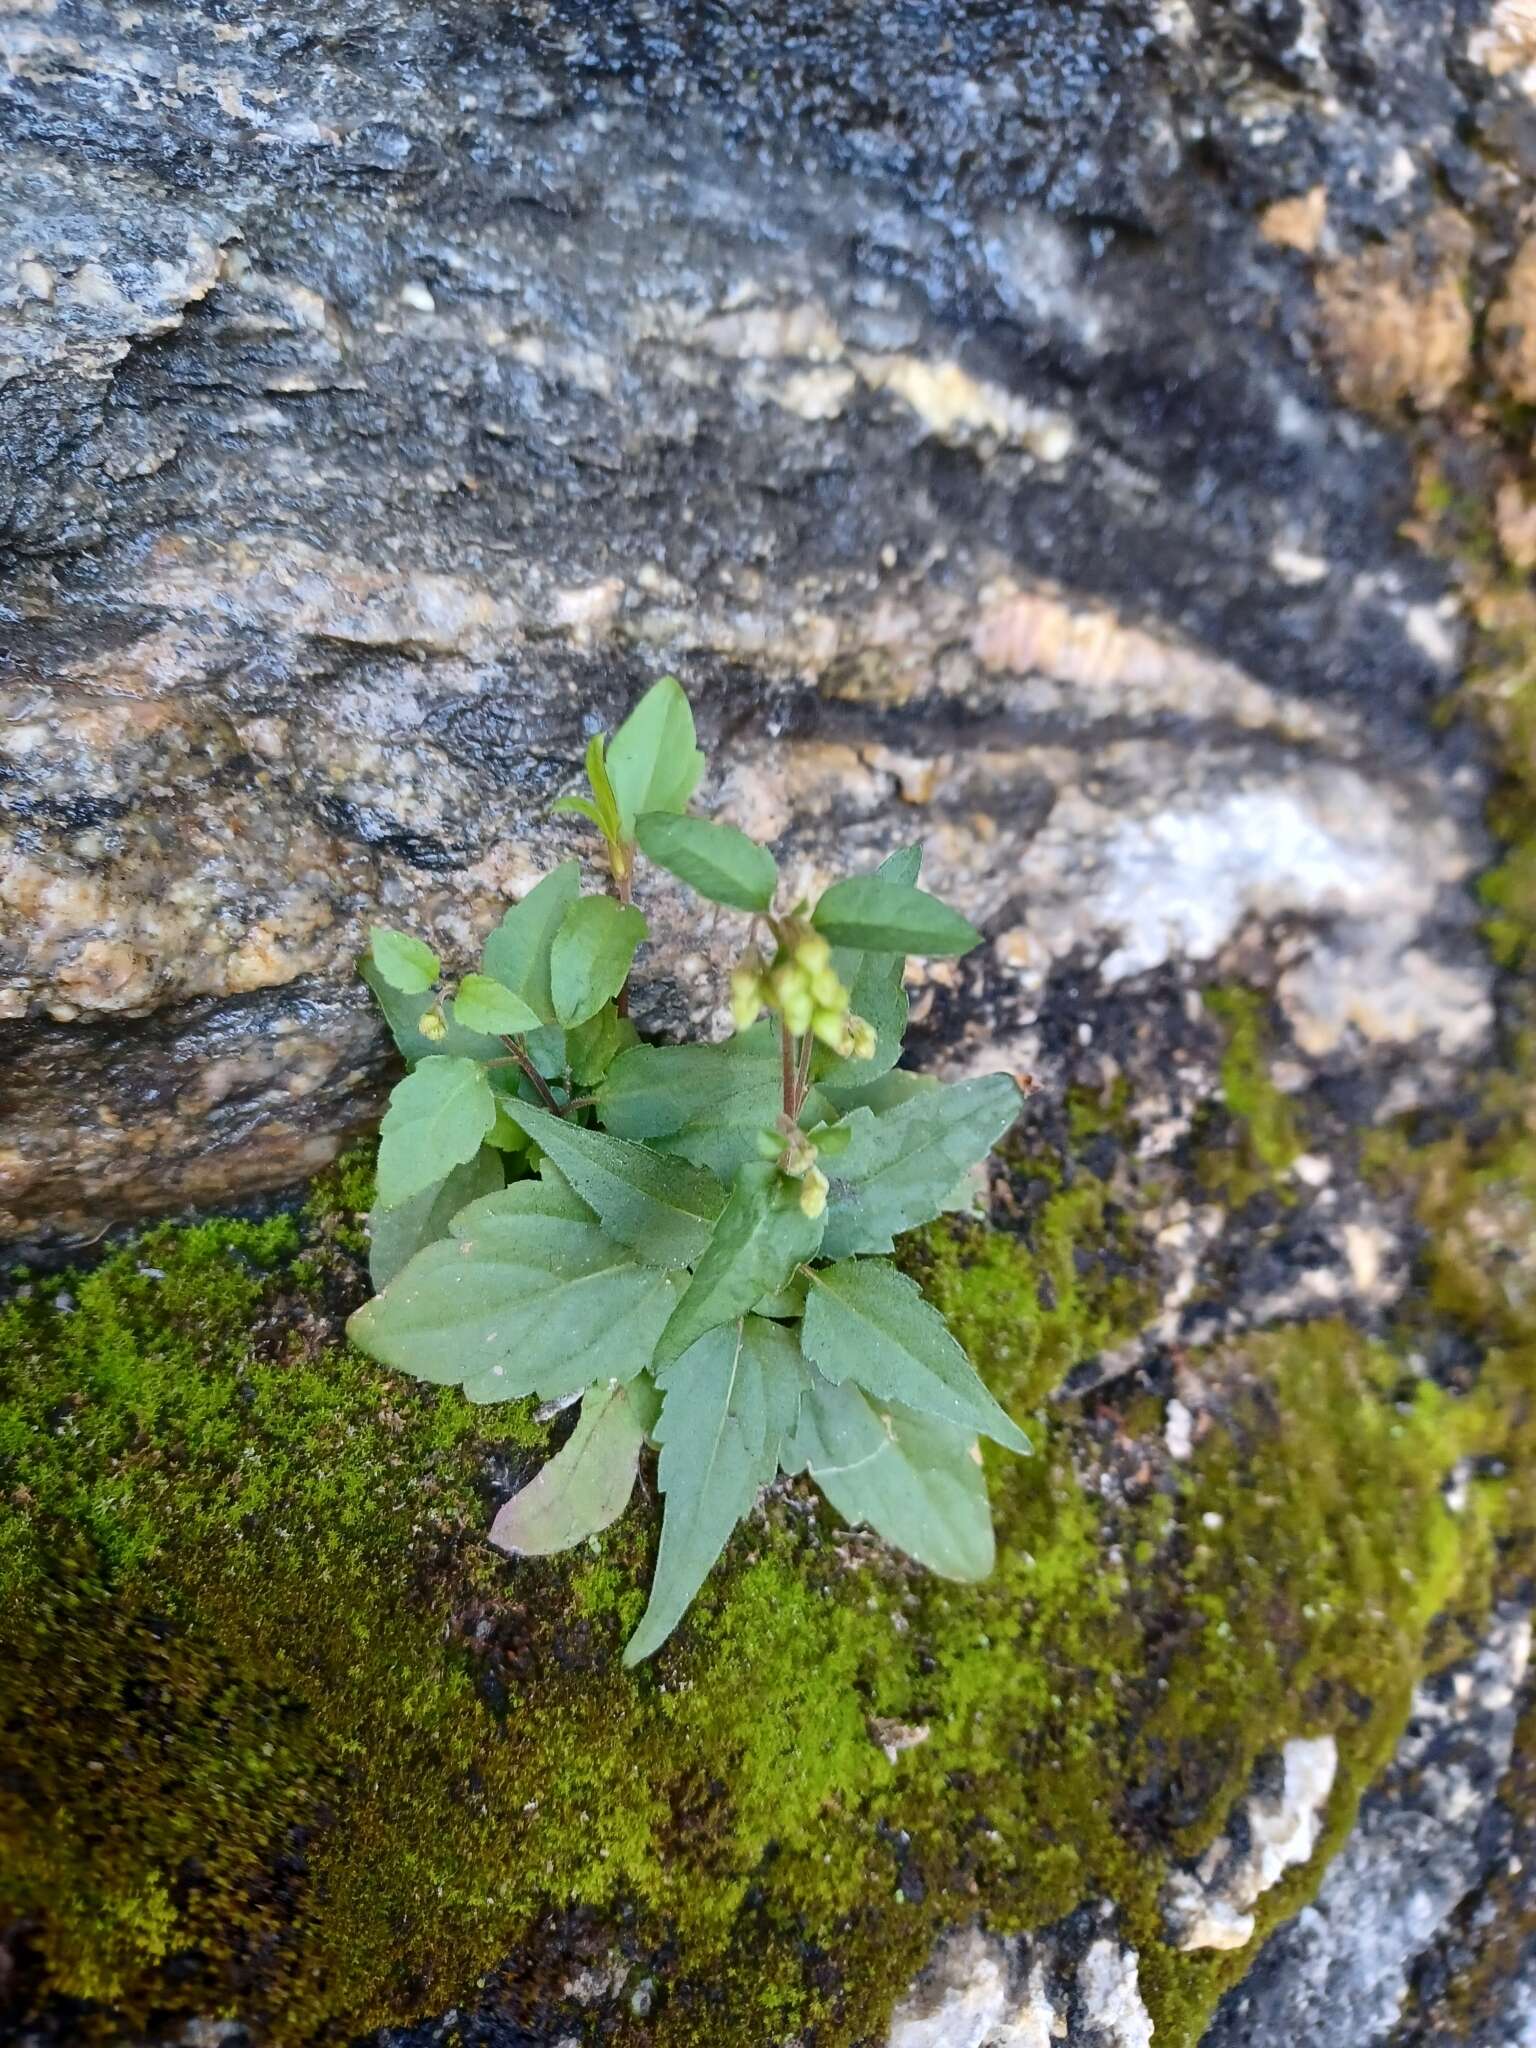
(1343, 1970)
(386, 399)
(1091, 438)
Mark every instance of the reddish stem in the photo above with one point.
(520, 1054)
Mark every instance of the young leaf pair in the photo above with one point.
(649, 771)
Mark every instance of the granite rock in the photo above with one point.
(383, 402)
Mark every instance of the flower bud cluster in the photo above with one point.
(802, 985)
(793, 1153)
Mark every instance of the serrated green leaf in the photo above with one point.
(916, 1482)
(786, 1303)
(759, 1238)
(403, 1015)
(717, 860)
(586, 1486)
(868, 1323)
(437, 1118)
(882, 1094)
(517, 952)
(579, 806)
(396, 1235)
(591, 1048)
(407, 964)
(786, 1374)
(881, 916)
(703, 1103)
(591, 956)
(483, 1004)
(902, 1168)
(657, 1091)
(664, 1208)
(528, 1296)
(653, 760)
(727, 1405)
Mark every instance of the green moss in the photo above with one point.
(312, 1748)
(1094, 1111)
(1078, 1289)
(1266, 1138)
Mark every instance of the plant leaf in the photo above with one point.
(403, 1015)
(602, 791)
(868, 1323)
(546, 1048)
(778, 1357)
(505, 1135)
(396, 1235)
(882, 916)
(875, 992)
(591, 956)
(786, 1303)
(581, 806)
(664, 1208)
(916, 1482)
(407, 964)
(716, 860)
(902, 1168)
(653, 760)
(591, 1048)
(880, 1095)
(659, 1091)
(723, 1416)
(436, 1120)
(904, 865)
(528, 1296)
(759, 1238)
(585, 1486)
(517, 952)
(482, 1004)
(703, 1103)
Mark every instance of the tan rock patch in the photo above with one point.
(1396, 324)
(1297, 222)
(1508, 42)
(1512, 326)
(1514, 515)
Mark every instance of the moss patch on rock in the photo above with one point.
(1251, 1148)
(284, 1736)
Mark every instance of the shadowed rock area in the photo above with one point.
(1091, 438)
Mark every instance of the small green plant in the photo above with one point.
(687, 1239)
